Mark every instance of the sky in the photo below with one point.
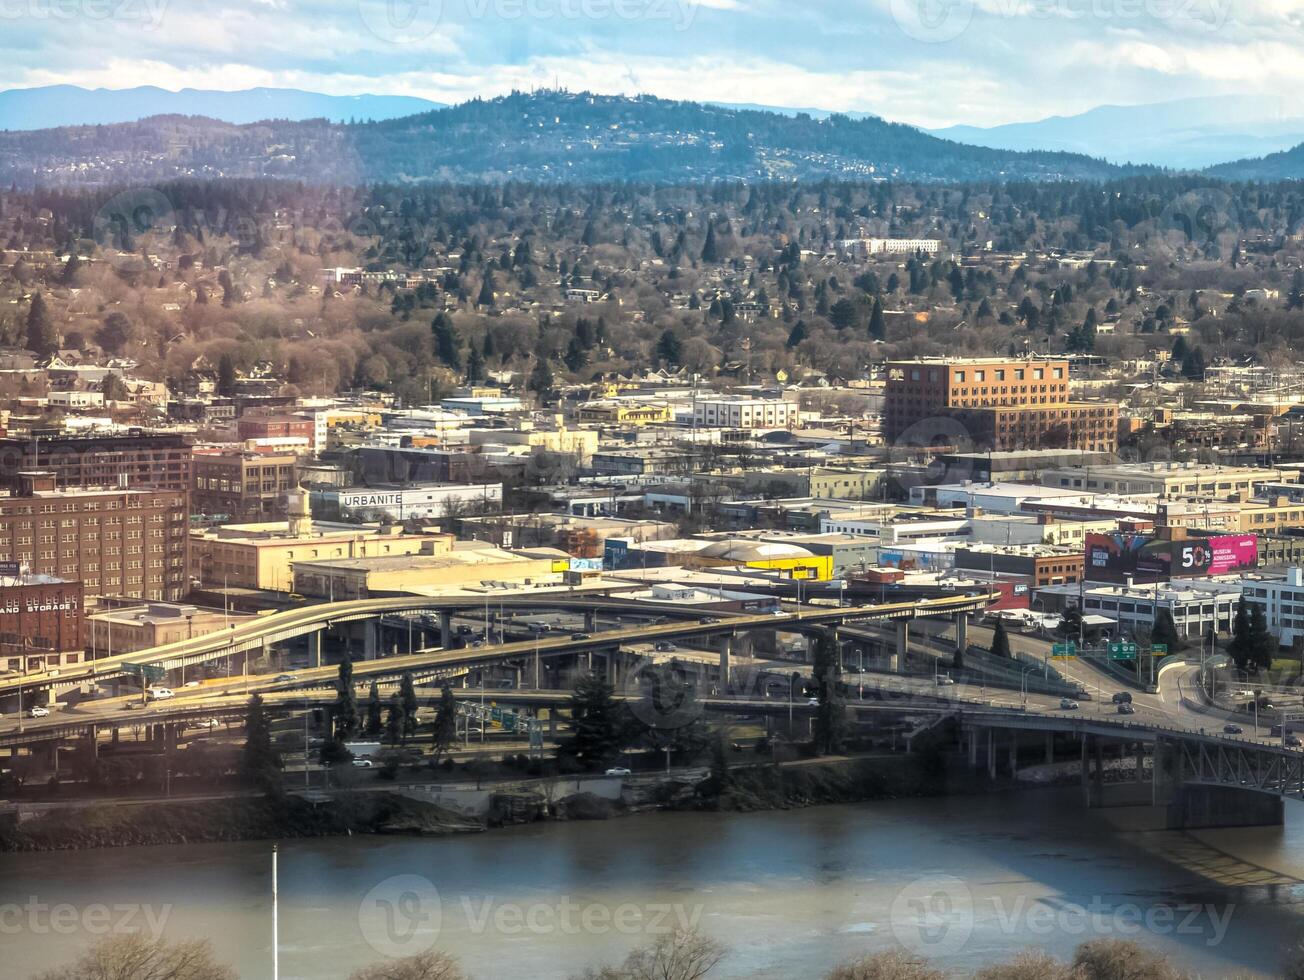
(927, 62)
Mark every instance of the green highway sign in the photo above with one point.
(1064, 650)
(1159, 649)
(1122, 651)
(146, 672)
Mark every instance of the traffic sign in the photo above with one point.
(1063, 651)
(1122, 651)
(146, 672)
(1159, 649)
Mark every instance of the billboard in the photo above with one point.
(1115, 557)
(1146, 559)
(1215, 556)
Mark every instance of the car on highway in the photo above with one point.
(285, 677)
(1068, 704)
(665, 646)
(1233, 730)
(945, 682)
(363, 763)
(1292, 741)
(474, 731)
(1126, 709)
(1083, 695)
(1122, 697)
(159, 694)
(813, 702)
(38, 712)
(581, 636)
(709, 620)
(190, 684)
(208, 723)
(618, 771)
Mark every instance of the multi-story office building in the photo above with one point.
(745, 413)
(992, 403)
(139, 457)
(40, 622)
(239, 483)
(123, 542)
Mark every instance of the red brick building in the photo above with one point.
(40, 622)
(138, 458)
(114, 542)
(274, 427)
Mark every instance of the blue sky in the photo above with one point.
(929, 62)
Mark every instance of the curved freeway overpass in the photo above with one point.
(279, 627)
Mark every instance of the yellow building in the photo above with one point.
(580, 443)
(626, 413)
(788, 560)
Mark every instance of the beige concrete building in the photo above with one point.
(124, 629)
(1168, 479)
(466, 564)
(263, 556)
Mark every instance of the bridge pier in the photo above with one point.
(726, 662)
(897, 660)
(991, 753)
(446, 630)
(370, 639)
(590, 620)
(314, 648)
(1050, 748)
(1196, 806)
(961, 632)
(1014, 753)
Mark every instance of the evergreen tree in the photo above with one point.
(373, 711)
(669, 349)
(1241, 646)
(41, 338)
(541, 381)
(1000, 640)
(1263, 645)
(710, 249)
(260, 763)
(226, 376)
(1164, 631)
(576, 356)
(346, 702)
(599, 724)
(448, 345)
(408, 699)
(486, 298)
(445, 734)
(394, 721)
(830, 717)
(797, 335)
(878, 322)
(843, 314)
(474, 366)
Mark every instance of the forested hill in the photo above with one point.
(544, 136)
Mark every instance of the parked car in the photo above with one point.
(38, 712)
(618, 771)
(1068, 704)
(1123, 697)
(363, 762)
(1126, 709)
(1233, 730)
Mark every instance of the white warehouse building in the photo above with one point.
(402, 503)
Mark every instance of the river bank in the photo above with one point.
(403, 810)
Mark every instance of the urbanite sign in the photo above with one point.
(371, 499)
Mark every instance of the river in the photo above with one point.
(966, 880)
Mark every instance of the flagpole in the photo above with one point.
(276, 951)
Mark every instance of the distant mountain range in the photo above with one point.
(1187, 134)
(545, 136)
(68, 105)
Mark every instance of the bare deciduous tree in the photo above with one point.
(430, 965)
(893, 965)
(137, 957)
